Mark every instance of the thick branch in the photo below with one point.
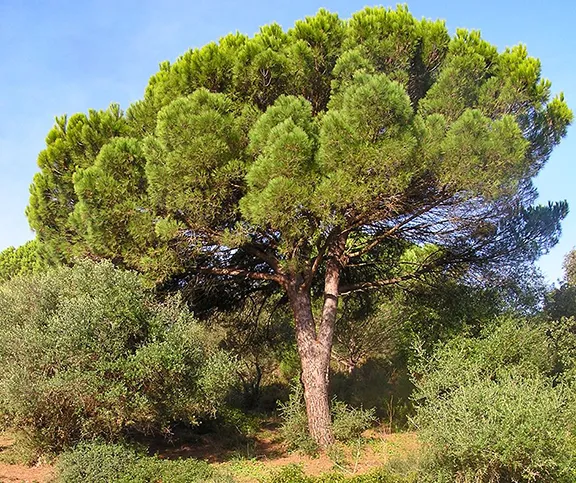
(270, 259)
(318, 260)
(239, 272)
(331, 291)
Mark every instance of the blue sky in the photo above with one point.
(61, 57)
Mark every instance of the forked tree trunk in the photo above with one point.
(314, 342)
(315, 360)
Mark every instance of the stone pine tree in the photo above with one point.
(23, 260)
(337, 156)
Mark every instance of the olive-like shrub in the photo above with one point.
(495, 408)
(86, 353)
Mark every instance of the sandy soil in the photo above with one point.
(21, 473)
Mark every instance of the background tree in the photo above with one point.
(561, 301)
(347, 154)
(258, 333)
(23, 260)
(569, 266)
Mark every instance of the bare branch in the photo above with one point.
(360, 287)
(424, 267)
(396, 228)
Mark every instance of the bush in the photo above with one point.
(294, 428)
(516, 429)
(488, 410)
(382, 384)
(348, 422)
(505, 346)
(86, 353)
(96, 462)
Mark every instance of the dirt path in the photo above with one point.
(19, 473)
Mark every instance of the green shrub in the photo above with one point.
(562, 336)
(382, 384)
(96, 462)
(488, 410)
(86, 353)
(294, 428)
(290, 474)
(348, 422)
(508, 345)
(514, 429)
(235, 421)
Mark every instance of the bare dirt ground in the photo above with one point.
(375, 451)
(21, 473)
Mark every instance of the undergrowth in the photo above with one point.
(348, 422)
(97, 462)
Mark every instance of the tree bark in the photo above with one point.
(314, 343)
(315, 360)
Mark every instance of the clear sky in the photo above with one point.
(60, 56)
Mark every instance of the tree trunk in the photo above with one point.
(315, 345)
(315, 360)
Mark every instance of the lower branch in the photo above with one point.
(240, 272)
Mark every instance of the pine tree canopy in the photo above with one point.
(382, 126)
